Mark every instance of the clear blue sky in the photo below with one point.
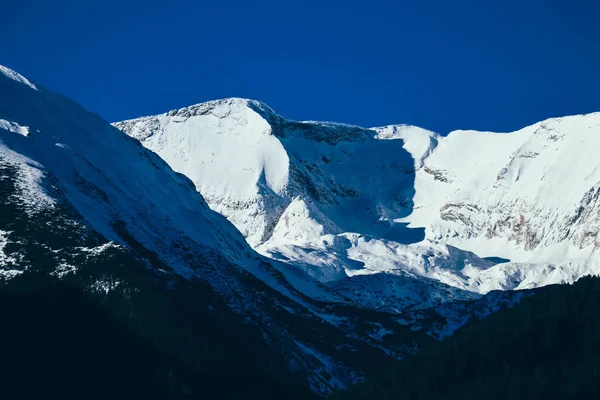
(443, 65)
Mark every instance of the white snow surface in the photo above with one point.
(337, 201)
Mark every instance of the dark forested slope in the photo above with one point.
(57, 343)
(546, 347)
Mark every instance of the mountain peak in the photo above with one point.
(223, 107)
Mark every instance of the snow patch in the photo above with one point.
(14, 127)
(6, 261)
(99, 249)
(105, 285)
(64, 269)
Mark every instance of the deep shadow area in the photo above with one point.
(58, 344)
(497, 260)
(361, 183)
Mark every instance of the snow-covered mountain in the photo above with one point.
(85, 203)
(296, 190)
(478, 211)
(313, 252)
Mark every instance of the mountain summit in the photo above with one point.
(474, 210)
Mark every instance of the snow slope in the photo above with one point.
(338, 201)
(531, 190)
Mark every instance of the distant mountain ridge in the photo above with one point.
(337, 200)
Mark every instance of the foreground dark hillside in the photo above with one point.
(57, 343)
(546, 347)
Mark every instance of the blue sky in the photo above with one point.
(443, 65)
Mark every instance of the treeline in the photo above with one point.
(546, 347)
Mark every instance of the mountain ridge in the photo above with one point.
(439, 194)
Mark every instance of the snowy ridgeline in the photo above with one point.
(478, 211)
